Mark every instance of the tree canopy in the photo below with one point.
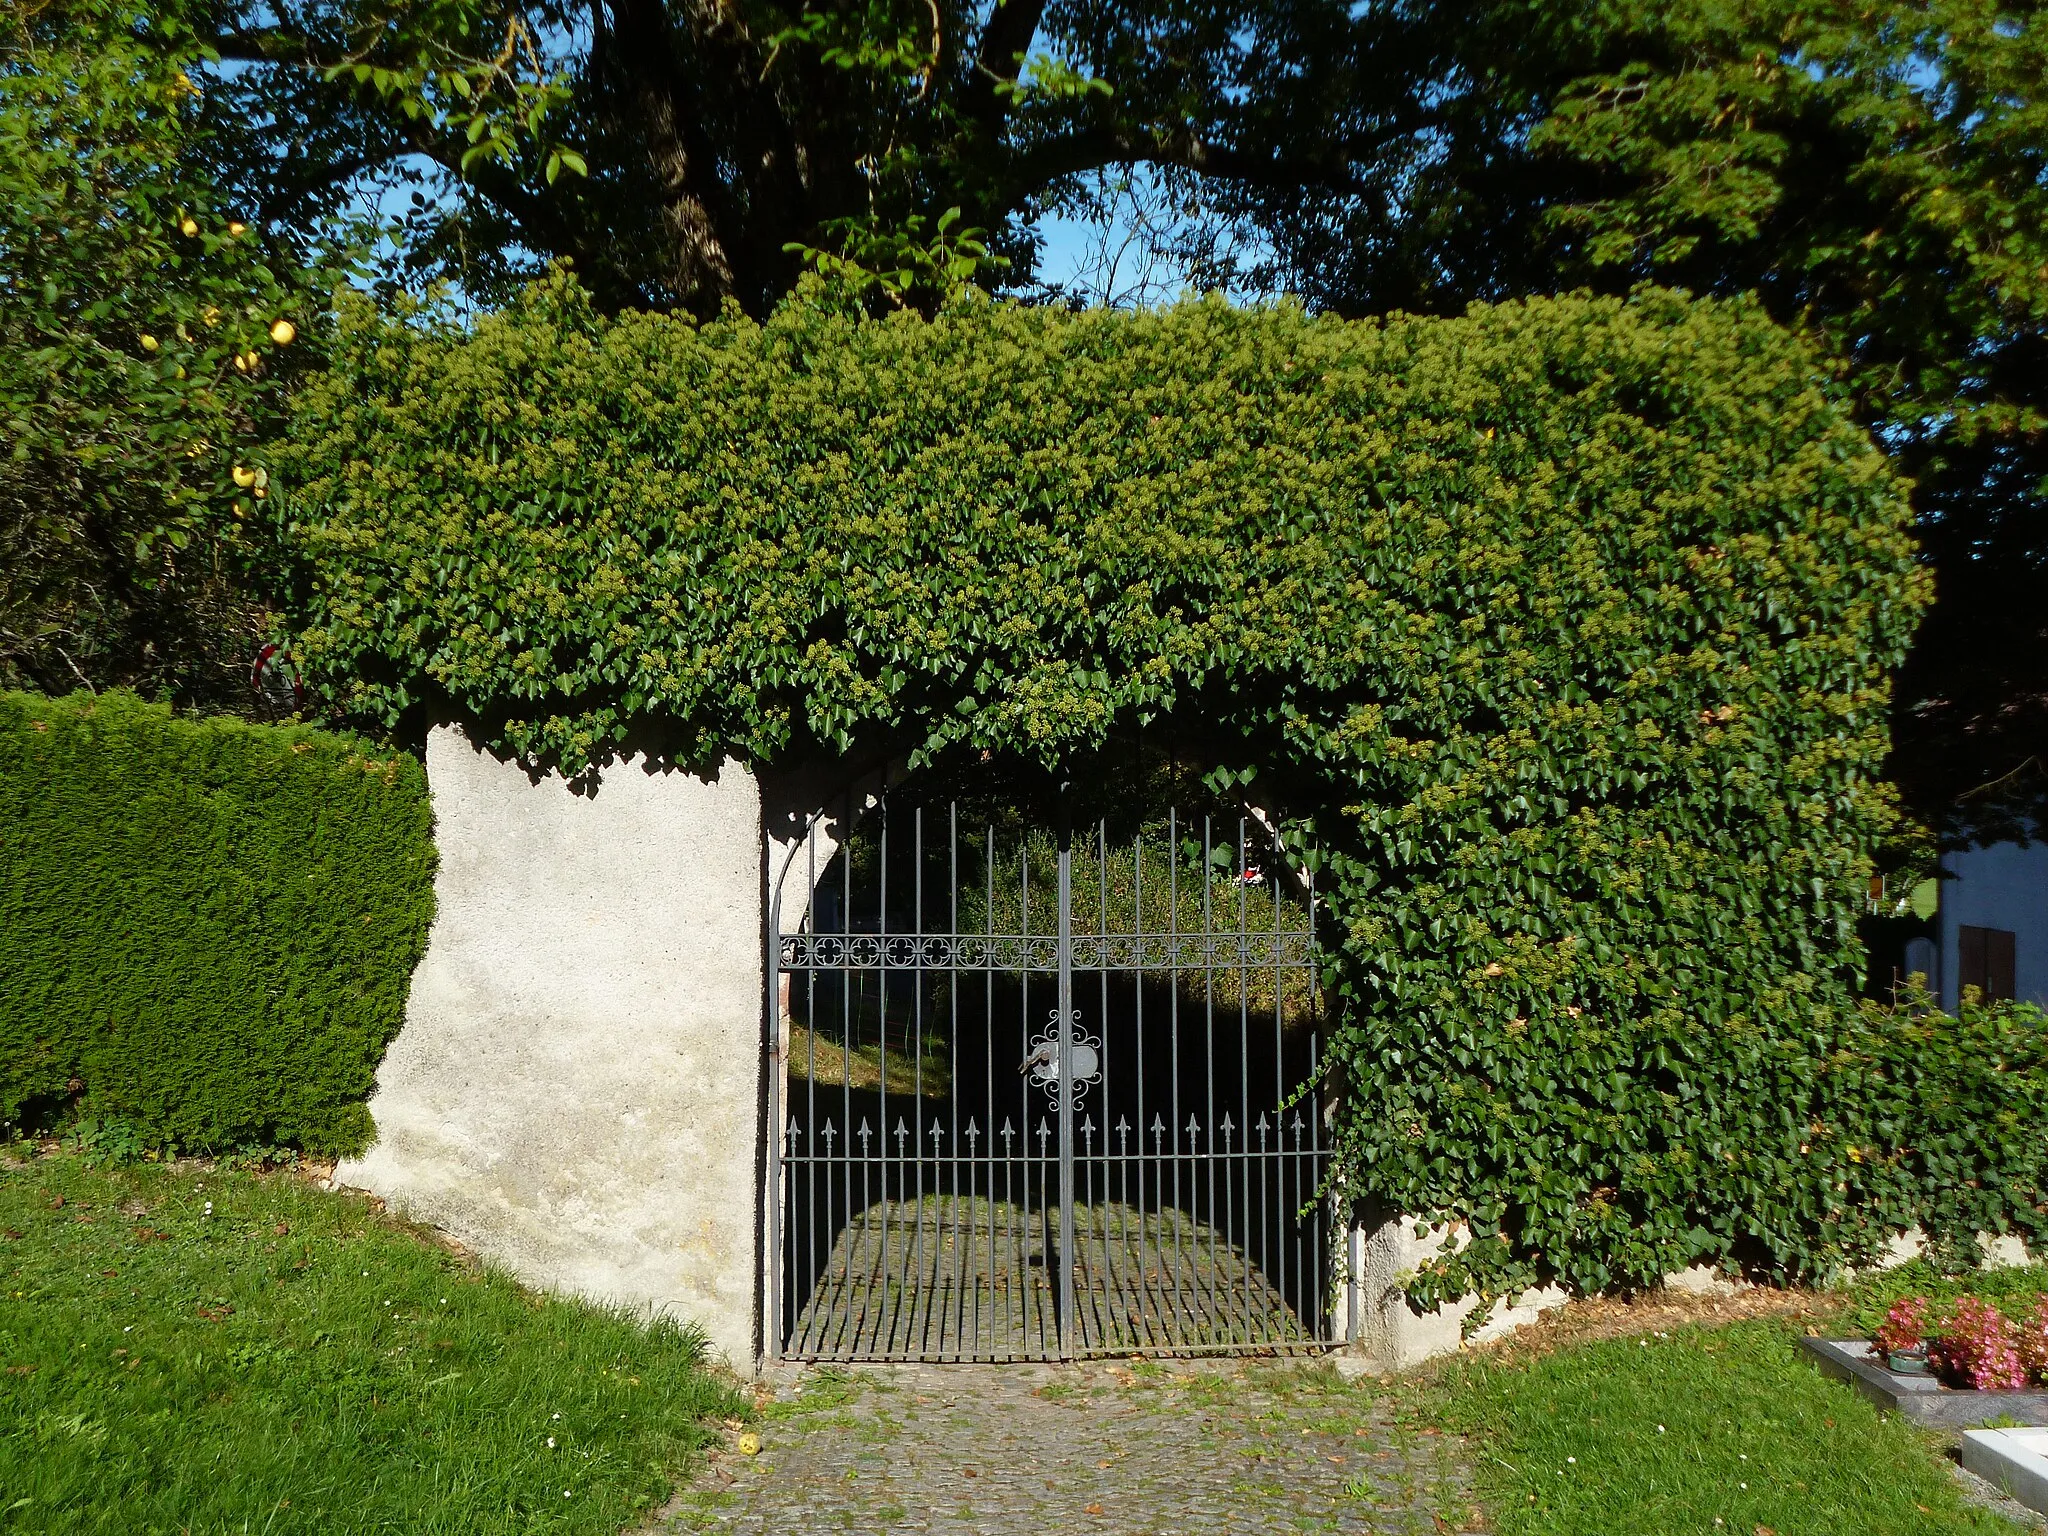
(1876, 173)
(684, 153)
(146, 334)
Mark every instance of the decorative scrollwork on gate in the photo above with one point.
(1043, 1062)
(1041, 952)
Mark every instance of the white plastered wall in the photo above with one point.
(1392, 1336)
(577, 1091)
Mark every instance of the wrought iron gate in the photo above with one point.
(1045, 1096)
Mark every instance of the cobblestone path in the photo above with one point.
(1135, 1449)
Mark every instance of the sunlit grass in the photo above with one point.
(193, 1350)
(1715, 1431)
(830, 1063)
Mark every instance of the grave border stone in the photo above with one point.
(1922, 1399)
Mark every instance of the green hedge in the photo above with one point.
(207, 928)
(1564, 625)
(1942, 1121)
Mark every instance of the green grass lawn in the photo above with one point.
(191, 1350)
(1720, 1431)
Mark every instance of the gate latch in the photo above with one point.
(1044, 1061)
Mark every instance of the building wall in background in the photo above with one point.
(2003, 888)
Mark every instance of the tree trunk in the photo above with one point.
(642, 58)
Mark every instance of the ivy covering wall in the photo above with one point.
(1565, 624)
(207, 928)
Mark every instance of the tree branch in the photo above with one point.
(303, 190)
(268, 45)
(1094, 148)
(541, 222)
(998, 58)
(1191, 151)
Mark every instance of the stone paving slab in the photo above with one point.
(1134, 1448)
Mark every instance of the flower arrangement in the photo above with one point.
(1972, 1345)
(2033, 1341)
(1977, 1348)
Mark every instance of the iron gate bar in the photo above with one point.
(1197, 1261)
(1065, 1023)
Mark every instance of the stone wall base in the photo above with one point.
(1388, 1335)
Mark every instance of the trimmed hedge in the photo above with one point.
(1565, 625)
(207, 928)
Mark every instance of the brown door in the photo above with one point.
(1985, 960)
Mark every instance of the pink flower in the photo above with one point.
(1904, 1326)
(1977, 1348)
(2033, 1331)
